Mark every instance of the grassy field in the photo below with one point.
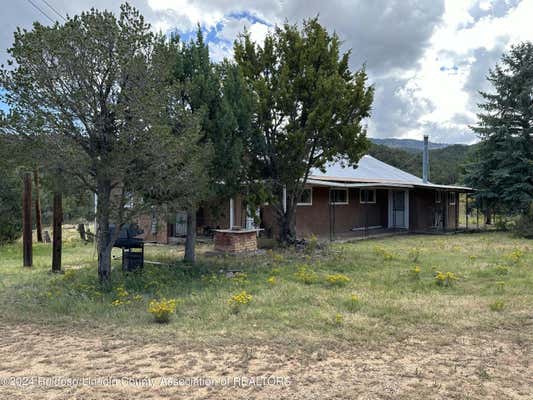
(370, 290)
(377, 294)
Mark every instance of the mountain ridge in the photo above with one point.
(408, 144)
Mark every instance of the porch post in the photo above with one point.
(406, 209)
(390, 209)
(284, 199)
(466, 209)
(231, 213)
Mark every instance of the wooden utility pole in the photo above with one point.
(57, 234)
(38, 218)
(26, 221)
(190, 253)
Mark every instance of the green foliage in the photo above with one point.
(446, 164)
(524, 224)
(97, 92)
(307, 109)
(502, 169)
(10, 206)
(386, 304)
(217, 94)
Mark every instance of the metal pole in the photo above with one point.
(330, 216)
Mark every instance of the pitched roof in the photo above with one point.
(370, 170)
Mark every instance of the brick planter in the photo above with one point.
(235, 241)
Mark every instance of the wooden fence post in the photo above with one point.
(38, 217)
(57, 234)
(27, 255)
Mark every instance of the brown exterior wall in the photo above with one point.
(422, 209)
(211, 215)
(315, 219)
(145, 223)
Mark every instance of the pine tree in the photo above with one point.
(502, 171)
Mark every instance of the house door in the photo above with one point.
(398, 208)
(181, 223)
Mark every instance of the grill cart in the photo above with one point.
(131, 245)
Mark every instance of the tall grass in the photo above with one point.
(390, 302)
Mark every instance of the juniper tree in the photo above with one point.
(218, 98)
(502, 171)
(94, 87)
(308, 109)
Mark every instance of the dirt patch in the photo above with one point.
(33, 358)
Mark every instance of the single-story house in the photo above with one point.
(374, 196)
(340, 202)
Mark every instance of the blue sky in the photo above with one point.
(427, 58)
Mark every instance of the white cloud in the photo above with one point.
(427, 58)
(446, 66)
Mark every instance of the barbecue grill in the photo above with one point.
(131, 245)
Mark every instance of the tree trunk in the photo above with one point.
(26, 222)
(287, 226)
(38, 218)
(103, 234)
(488, 219)
(81, 230)
(190, 242)
(57, 234)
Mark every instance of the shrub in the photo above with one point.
(524, 224)
(383, 252)
(10, 206)
(354, 303)
(162, 309)
(501, 270)
(415, 272)
(311, 245)
(306, 275)
(414, 254)
(498, 305)
(445, 279)
(337, 279)
(515, 256)
(239, 300)
(240, 278)
(338, 320)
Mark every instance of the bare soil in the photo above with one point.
(427, 366)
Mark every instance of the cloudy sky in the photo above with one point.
(426, 58)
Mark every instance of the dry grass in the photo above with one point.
(406, 337)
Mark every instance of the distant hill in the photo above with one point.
(445, 163)
(408, 144)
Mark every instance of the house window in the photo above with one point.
(438, 196)
(451, 198)
(338, 196)
(368, 196)
(306, 199)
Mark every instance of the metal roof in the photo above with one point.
(370, 170)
